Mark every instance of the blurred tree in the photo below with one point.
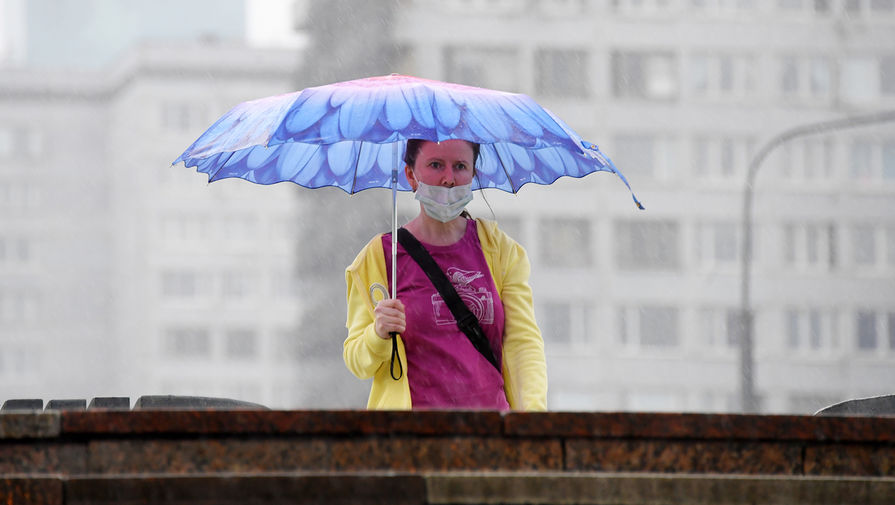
(349, 39)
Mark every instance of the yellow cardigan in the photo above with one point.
(524, 365)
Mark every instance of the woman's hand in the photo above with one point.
(388, 316)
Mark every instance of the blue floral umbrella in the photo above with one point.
(352, 135)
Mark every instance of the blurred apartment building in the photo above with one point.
(122, 275)
(639, 308)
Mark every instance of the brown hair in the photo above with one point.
(414, 146)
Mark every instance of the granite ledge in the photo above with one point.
(554, 425)
(777, 428)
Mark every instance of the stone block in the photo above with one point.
(850, 459)
(110, 402)
(192, 402)
(19, 404)
(66, 405)
(208, 455)
(31, 490)
(29, 424)
(441, 454)
(678, 456)
(654, 489)
(40, 457)
(247, 489)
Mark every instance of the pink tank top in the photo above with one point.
(444, 370)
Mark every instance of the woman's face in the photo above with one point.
(448, 163)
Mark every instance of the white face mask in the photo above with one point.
(441, 203)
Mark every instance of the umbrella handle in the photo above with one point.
(395, 357)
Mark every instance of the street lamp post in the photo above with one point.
(748, 399)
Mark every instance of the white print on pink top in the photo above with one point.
(479, 301)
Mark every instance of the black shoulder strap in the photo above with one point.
(466, 320)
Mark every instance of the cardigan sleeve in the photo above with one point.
(525, 365)
(363, 351)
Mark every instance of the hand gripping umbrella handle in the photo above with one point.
(379, 288)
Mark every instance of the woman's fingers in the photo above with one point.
(389, 317)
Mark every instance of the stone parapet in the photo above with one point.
(217, 456)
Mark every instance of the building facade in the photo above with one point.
(121, 275)
(640, 308)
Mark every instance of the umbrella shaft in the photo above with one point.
(395, 149)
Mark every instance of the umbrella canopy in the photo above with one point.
(351, 135)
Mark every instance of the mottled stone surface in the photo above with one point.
(701, 426)
(446, 454)
(654, 489)
(247, 489)
(41, 457)
(850, 459)
(264, 422)
(250, 442)
(31, 490)
(208, 455)
(35, 424)
(676, 456)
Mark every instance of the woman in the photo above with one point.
(487, 268)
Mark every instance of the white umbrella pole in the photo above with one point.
(395, 153)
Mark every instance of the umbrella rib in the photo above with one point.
(504, 168)
(220, 167)
(356, 163)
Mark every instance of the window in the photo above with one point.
(869, 8)
(811, 330)
(873, 246)
(719, 328)
(18, 305)
(872, 160)
(721, 76)
(863, 245)
(561, 73)
(722, 7)
(875, 331)
(187, 342)
(565, 322)
(18, 196)
(647, 245)
(566, 242)
(482, 6)
(240, 344)
(807, 160)
(721, 158)
(655, 327)
(184, 284)
(887, 63)
(236, 284)
(809, 245)
(651, 76)
(20, 142)
(718, 244)
(812, 6)
(641, 156)
(15, 250)
(642, 6)
(806, 78)
(495, 68)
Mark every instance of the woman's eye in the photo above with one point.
(461, 166)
